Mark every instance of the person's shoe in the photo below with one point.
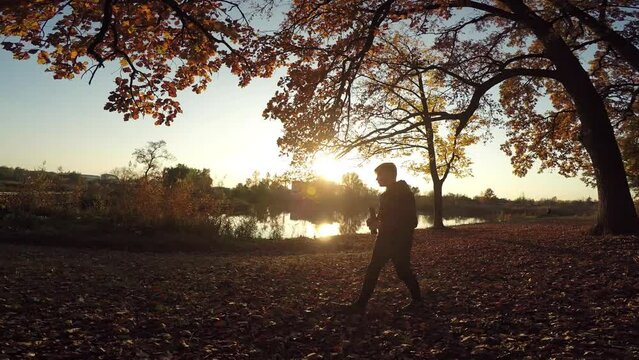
(414, 305)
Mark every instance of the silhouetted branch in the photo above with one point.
(107, 15)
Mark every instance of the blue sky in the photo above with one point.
(62, 122)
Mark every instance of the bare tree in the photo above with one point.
(151, 157)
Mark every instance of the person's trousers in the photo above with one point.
(399, 254)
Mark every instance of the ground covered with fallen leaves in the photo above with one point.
(505, 291)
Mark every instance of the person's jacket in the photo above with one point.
(397, 213)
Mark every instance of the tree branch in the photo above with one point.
(107, 15)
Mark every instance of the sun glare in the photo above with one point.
(323, 231)
(329, 168)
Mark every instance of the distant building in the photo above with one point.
(108, 178)
(90, 178)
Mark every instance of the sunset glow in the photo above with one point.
(330, 168)
(323, 231)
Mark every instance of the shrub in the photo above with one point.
(131, 204)
(246, 228)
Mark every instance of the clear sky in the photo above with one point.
(62, 122)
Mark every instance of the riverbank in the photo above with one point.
(493, 291)
(245, 238)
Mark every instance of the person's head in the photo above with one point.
(386, 174)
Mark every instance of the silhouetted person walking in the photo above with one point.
(395, 224)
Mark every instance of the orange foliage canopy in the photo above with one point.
(160, 47)
(472, 44)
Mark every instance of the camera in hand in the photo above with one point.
(372, 216)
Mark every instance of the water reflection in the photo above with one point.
(291, 226)
(352, 223)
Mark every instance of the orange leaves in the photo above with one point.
(43, 57)
(203, 34)
(557, 294)
(170, 88)
(21, 56)
(549, 137)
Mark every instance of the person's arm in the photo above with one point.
(388, 215)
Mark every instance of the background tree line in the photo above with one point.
(148, 195)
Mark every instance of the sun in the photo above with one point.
(329, 168)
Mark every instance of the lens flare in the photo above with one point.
(329, 168)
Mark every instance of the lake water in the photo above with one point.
(286, 227)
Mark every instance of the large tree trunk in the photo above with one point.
(438, 205)
(438, 221)
(617, 213)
